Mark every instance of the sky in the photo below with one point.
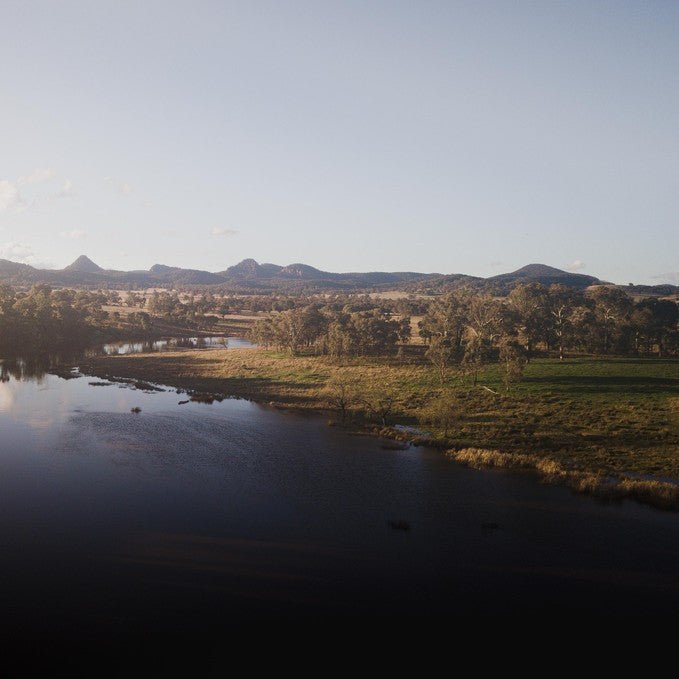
(452, 137)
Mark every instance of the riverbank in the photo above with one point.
(606, 415)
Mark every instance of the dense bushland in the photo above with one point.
(44, 320)
(471, 328)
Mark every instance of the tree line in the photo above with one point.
(602, 320)
(337, 332)
(469, 328)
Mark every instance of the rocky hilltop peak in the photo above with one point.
(84, 265)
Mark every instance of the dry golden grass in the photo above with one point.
(268, 376)
(398, 294)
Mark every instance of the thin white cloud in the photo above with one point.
(66, 190)
(217, 231)
(577, 265)
(23, 254)
(74, 234)
(13, 200)
(17, 252)
(10, 198)
(38, 176)
(122, 187)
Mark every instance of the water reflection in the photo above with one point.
(61, 364)
(177, 343)
(33, 368)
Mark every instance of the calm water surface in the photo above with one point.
(176, 343)
(197, 518)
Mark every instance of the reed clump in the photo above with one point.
(659, 494)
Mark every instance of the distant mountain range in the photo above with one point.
(249, 275)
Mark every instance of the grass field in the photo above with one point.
(601, 415)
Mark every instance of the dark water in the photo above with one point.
(194, 519)
(176, 343)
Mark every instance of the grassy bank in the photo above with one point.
(601, 416)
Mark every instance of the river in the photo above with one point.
(203, 517)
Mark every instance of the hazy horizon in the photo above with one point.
(448, 137)
(259, 261)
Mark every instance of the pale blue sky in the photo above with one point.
(432, 136)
